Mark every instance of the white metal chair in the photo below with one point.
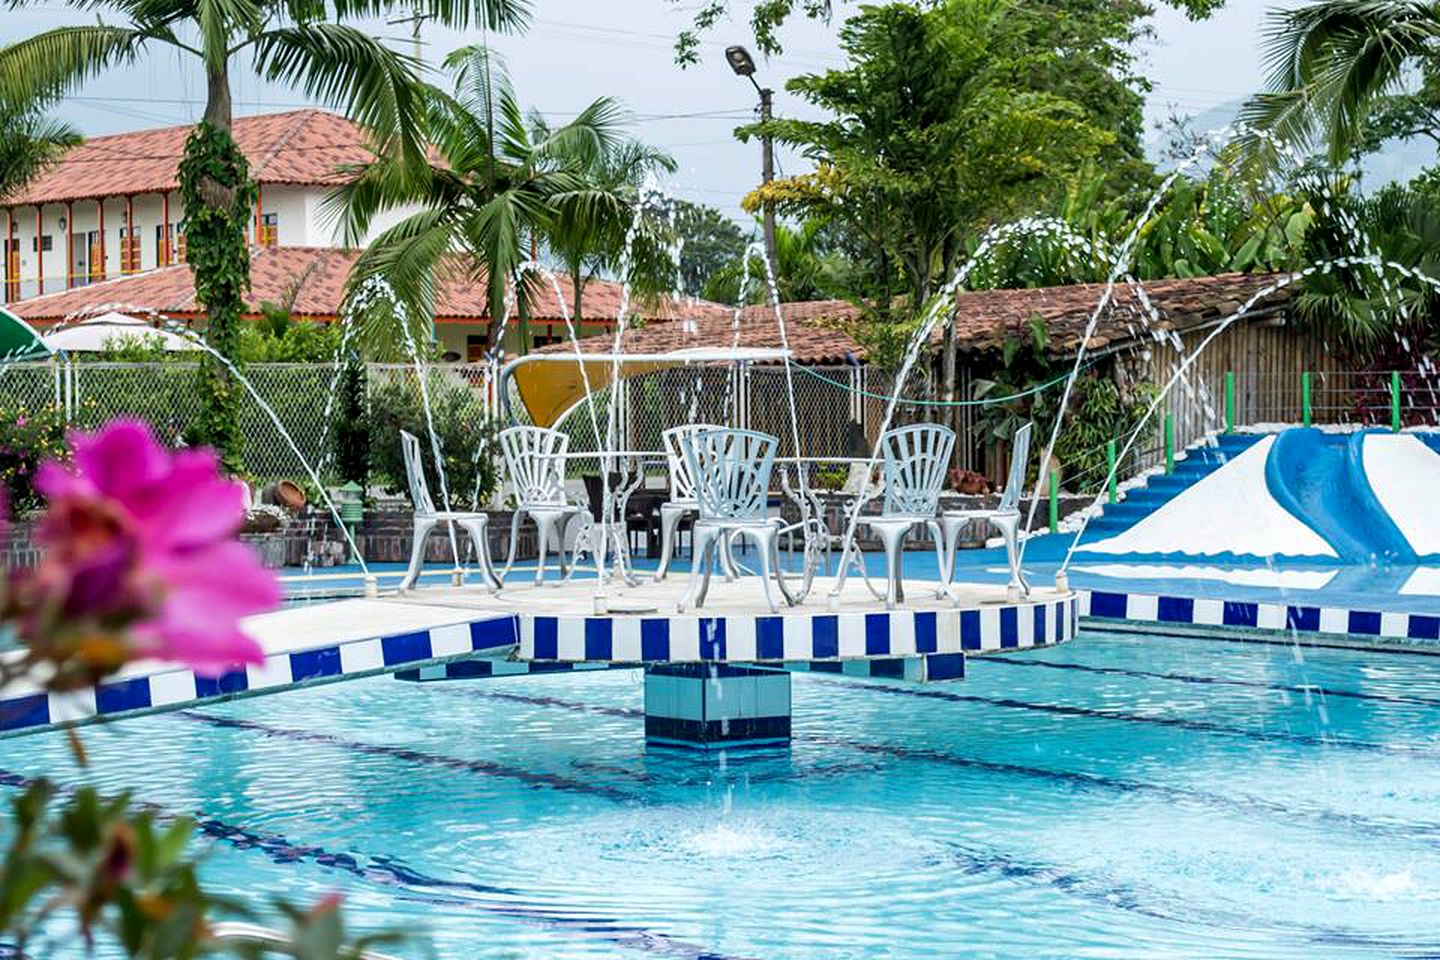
(1005, 518)
(535, 458)
(427, 518)
(731, 471)
(917, 460)
(682, 499)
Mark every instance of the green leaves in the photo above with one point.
(500, 184)
(343, 66)
(218, 194)
(1330, 62)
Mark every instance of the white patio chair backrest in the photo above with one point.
(535, 457)
(731, 470)
(415, 475)
(682, 482)
(1019, 454)
(917, 461)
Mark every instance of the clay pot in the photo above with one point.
(286, 494)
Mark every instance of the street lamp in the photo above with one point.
(744, 66)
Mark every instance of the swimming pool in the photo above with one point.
(1115, 797)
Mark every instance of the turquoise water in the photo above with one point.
(1117, 797)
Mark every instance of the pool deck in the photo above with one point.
(541, 629)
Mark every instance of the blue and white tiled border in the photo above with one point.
(797, 636)
(172, 689)
(1257, 617)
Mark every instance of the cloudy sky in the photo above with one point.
(579, 49)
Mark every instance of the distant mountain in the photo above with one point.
(1398, 161)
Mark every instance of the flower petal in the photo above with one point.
(190, 506)
(121, 458)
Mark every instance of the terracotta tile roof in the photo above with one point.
(713, 327)
(313, 278)
(303, 147)
(985, 318)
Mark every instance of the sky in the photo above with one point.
(576, 50)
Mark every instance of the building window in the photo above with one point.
(129, 249)
(95, 259)
(47, 243)
(269, 229)
(12, 270)
(176, 241)
(475, 346)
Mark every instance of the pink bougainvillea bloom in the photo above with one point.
(136, 525)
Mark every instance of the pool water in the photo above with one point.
(1119, 796)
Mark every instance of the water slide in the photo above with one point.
(1229, 513)
(1358, 498)
(1321, 479)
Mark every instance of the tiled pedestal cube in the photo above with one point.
(712, 705)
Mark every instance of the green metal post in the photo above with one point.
(1110, 467)
(1395, 401)
(1054, 502)
(1229, 401)
(1305, 411)
(1169, 443)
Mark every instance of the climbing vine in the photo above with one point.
(219, 197)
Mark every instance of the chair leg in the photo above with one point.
(544, 523)
(562, 525)
(715, 541)
(669, 519)
(423, 526)
(950, 535)
(702, 539)
(478, 531)
(514, 541)
(1009, 527)
(727, 560)
(766, 546)
(891, 537)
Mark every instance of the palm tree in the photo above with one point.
(587, 235)
(29, 141)
(1331, 61)
(490, 192)
(313, 45)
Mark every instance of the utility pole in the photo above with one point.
(744, 66)
(767, 173)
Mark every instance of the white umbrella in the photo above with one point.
(102, 332)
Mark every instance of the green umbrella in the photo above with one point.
(18, 341)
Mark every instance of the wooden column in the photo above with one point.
(100, 227)
(259, 217)
(69, 244)
(165, 229)
(127, 247)
(40, 248)
(9, 248)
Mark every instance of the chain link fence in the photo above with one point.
(302, 398)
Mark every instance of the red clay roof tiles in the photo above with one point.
(303, 147)
(313, 279)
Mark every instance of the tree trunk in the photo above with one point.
(218, 109)
(219, 196)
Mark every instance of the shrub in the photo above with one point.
(350, 433)
(28, 436)
(463, 428)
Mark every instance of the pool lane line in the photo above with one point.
(393, 874)
(1307, 690)
(421, 757)
(1182, 723)
(1105, 891)
(1237, 804)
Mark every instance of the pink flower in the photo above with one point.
(135, 528)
